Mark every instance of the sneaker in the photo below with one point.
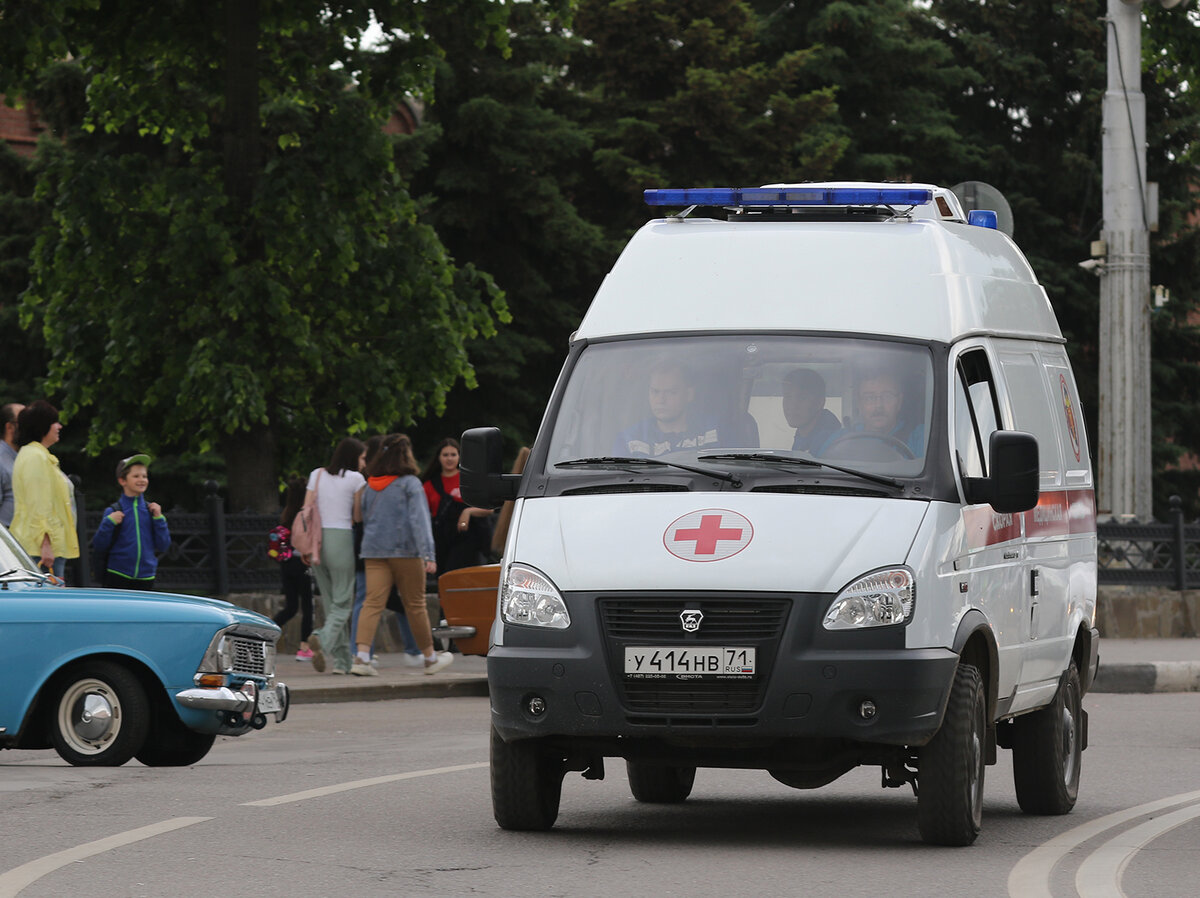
(374, 660)
(440, 660)
(304, 655)
(413, 661)
(318, 657)
(363, 669)
(339, 671)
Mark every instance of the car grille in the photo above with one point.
(724, 619)
(755, 622)
(250, 656)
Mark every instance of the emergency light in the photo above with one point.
(787, 196)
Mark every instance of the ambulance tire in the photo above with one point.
(950, 767)
(660, 783)
(526, 784)
(1047, 751)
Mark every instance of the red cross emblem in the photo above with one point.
(711, 534)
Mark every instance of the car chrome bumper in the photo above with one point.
(223, 698)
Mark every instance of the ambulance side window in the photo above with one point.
(975, 412)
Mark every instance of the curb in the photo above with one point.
(373, 691)
(1148, 677)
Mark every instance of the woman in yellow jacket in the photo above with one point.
(44, 515)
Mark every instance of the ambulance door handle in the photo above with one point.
(1011, 554)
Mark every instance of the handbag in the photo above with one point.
(306, 528)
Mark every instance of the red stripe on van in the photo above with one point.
(1058, 513)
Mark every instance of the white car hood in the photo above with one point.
(749, 541)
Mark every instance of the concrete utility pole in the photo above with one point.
(1124, 468)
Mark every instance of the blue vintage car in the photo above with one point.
(105, 675)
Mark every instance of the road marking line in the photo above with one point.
(1030, 878)
(16, 879)
(1100, 874)
(355, 784)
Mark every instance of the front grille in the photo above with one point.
(249, 656)
(724, 619)
(728, 621)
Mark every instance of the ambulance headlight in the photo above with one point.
(529, 598)
(879, 599)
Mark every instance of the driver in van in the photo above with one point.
(671, 424)
(880, 400)
(804, 408)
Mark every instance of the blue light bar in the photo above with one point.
(983, 218)
(787, 196)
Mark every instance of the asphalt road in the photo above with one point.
(391, 798)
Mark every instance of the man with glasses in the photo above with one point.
(880, 403)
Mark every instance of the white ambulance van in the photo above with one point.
(812, 492)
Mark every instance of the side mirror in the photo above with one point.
(1014, 482)
(480, 478)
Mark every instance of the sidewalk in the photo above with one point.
(1126, 665)
(466, 676)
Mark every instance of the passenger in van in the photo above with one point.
(671, 424)
(880, 399)
(804, 408)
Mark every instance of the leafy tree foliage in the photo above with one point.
(890, 74)
(255, 282)
(500, 163)
(680, 92)
(1034, 110)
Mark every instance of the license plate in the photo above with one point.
(268, 700)
(704, 661)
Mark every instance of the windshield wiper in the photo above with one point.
(619, 462)
(806, 462)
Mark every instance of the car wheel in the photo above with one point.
(950, 767)
(101, 715)
(660, 783)
(1047, 751)
(171, 744)
(526, 783)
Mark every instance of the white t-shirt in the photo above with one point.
(335, 496)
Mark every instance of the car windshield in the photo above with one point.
(866, 404)
(12, 556)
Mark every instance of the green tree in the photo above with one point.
(1171, 73)
(1034, 110)
(500, 161)
(890, 74)
(679, 93)
(233, 259)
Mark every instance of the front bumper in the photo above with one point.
(246, 703)
(811, 683)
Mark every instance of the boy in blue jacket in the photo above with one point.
(133, 533)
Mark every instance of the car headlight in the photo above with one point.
(879, 599)
(529, 598)
(225, 654)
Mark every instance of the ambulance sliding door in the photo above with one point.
(1036, 409)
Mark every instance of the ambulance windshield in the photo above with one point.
(861, 403)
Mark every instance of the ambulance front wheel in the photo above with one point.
(526, 783)
(660, 783)
(1047, 748)
(950, 767)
